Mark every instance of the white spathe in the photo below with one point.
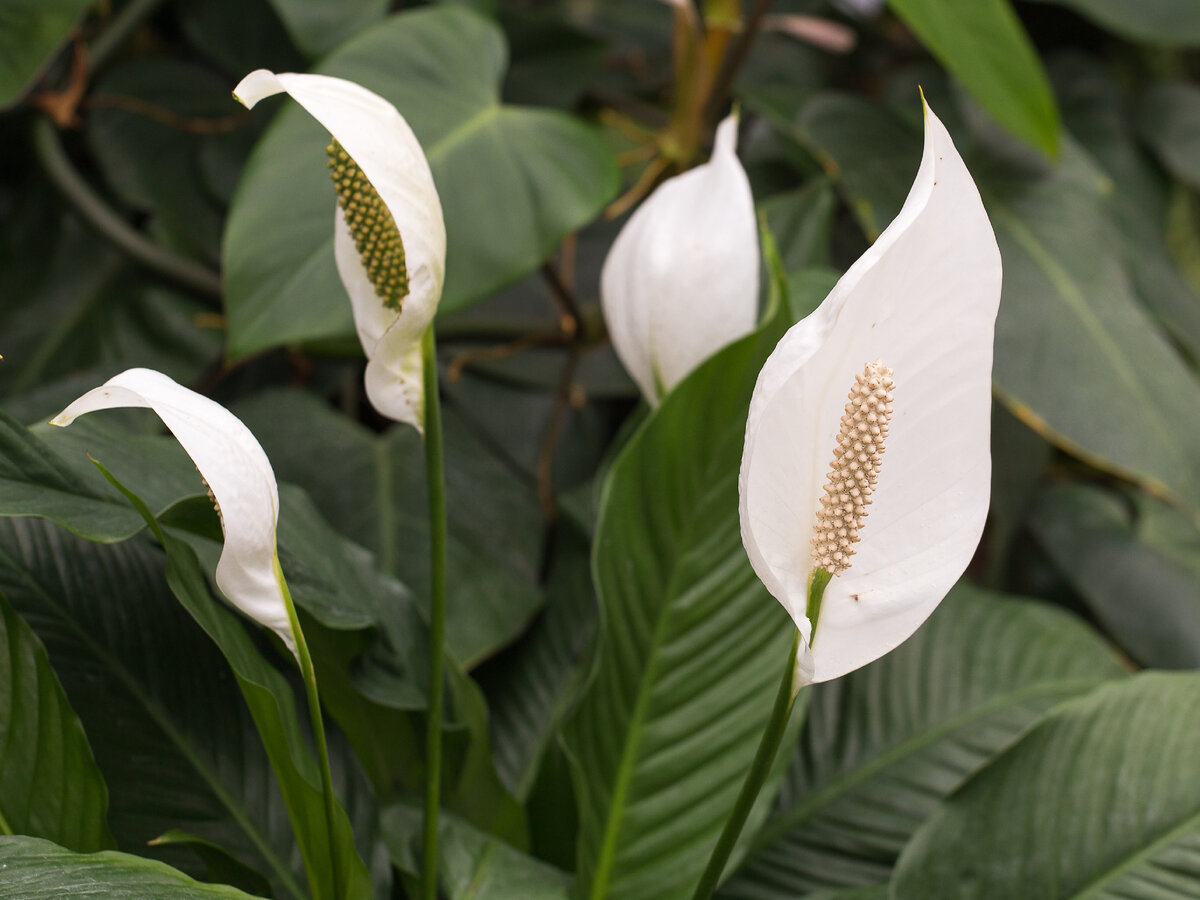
(681, 279)
(923, 299)
(379, 140)
(238, 473)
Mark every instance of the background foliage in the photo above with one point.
(612, 655)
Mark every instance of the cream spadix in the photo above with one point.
(681, 279)
(389, 235)
(890, 378)
(239, 478)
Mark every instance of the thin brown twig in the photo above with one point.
(643, 186)
(460, 361)
(169, 118)
(569, 316)
(733, 60)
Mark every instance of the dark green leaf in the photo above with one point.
(335, 870)
(35, 869)
(222, 867)
(50, 786)
(170, 732)
(513, 181)
(534, 683)
(378, 500)
(1169, 122)
(1100, 799)
(30, 31)
(801, 222)
(1156, 21)
(883, 744)
(983, 44)
(317, 26)
(691, 649)
(1136, 566)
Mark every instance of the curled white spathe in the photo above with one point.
(681, 279)
(237, 472)
(923, 299)
(380, 141)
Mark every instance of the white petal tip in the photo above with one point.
(254, 87)
(725, 140)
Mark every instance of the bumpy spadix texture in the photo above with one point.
(374, 231)
(854, 472)
(923, 300)
(681, 279)
(392, 311)
(239, 478)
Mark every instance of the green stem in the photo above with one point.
(768, 746)
(309, 675)
(817, 582)
(436, 481)
(97, 213)
(5, 828)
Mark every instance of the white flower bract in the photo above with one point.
(383, 146)
(923, 299)
(681, 279)
(238, 474)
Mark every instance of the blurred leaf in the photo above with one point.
(378, 500)
(30, 32)
(1153, 21)
(1136, 564)
(146, 124)
(222, 867)
(553, 63)
(881, 746)
(1183, 234)
(317, 26)
(1168, 120)
(1095, 112)
(983, 44)
(35, 869)
(513, 181)
(169, 731)
(1019, 459)
(691, 648)
(801, 222)
(50, 786)
(1100, 798)
(532, 685)
(239, 36)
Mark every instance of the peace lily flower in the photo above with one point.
(866, 463)
(681, 279)
(389, 235)
(239, 477)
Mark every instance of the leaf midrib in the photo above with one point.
(1190, 823)
(239, 814)
(617, 805)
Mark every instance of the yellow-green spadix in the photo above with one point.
(389, 235)
(867, 455)
(238, 474)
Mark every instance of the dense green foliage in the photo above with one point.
(611, 656)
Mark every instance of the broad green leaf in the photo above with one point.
(984, 46)
(335, 870)
(378, 500)
(1136, 564)
(169, 731)
(881, 746)
(1100, 799)
(1169, 122)
(1153, 21)
(30, 31)
(50, 786)
(1095, 112)
(534, 682)
(1077, 357)
(692, 646)
(317, 26)
(36, 869)
(513, 181)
